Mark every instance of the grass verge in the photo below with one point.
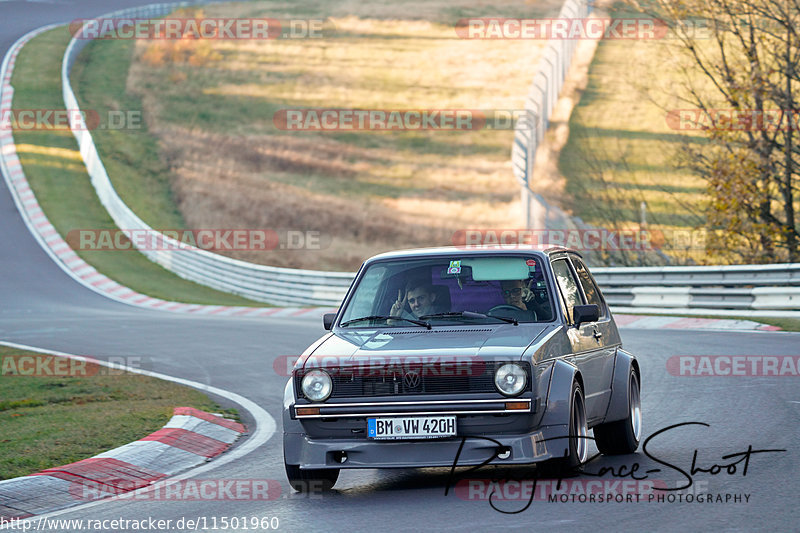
(786, 324)
(51, 421)
(622, 154)
(57, 175)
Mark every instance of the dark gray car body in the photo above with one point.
(557, 352)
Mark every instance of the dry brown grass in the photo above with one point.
(227, 187)
(366, 192)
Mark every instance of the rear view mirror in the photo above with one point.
(328, 318)
(585, 313)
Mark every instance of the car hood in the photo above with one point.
(489, 342)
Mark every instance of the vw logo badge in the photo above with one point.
(411, 380)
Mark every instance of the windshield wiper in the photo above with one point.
(471, 314)
(387, 317)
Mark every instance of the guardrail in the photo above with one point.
(281, 286)
(745, 287)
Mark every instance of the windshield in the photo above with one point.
(451, 290)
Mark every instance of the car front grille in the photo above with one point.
(426, 379)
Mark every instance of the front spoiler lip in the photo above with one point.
(542, 444)
(445, 407)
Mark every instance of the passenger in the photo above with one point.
(517, 293)
(514, 292)
(421, 298)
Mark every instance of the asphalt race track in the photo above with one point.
(41, 306)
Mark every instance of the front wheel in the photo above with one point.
(578, 430)
(310, 480)
(622, 437)
(578, 450)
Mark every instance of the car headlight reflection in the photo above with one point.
(510, 379)
(317, 385)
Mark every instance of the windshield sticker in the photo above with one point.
(454, 268)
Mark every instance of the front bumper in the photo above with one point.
(547, 442)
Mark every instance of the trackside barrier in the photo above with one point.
(281, 286)
(747, 287)
(540, 102)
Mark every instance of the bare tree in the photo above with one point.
(745, 59)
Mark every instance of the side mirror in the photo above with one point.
(585, 313)
(328, 318)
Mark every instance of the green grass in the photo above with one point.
(58, 177)
(130, 153)
(51, 421)
(786, 324)
(621, 151)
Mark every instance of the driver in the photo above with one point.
(421, 299)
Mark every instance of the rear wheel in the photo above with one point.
(622, 437)
(309, 480)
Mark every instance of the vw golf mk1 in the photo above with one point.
(483, 354)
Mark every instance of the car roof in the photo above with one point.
(462, 251)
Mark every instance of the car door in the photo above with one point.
(604, 331)
(588, 352)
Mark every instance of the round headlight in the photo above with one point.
(317, 385)
(510, 379)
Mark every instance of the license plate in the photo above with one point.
(428, 427)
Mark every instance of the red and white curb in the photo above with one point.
(191, 437)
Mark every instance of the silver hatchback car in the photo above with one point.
(456, 356)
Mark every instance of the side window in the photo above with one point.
(589, 286)
(568, 285)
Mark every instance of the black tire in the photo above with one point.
(578, 437)
(622, 436)
(310, 480)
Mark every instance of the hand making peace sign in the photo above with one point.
(398, 305)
